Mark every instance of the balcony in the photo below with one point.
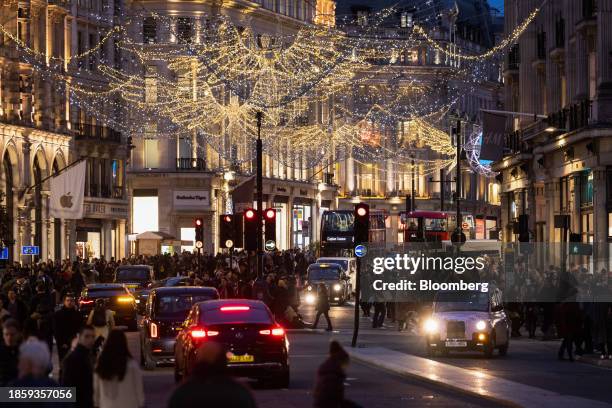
(573, 118)
(91, 132)
(188, 164)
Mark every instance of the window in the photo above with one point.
(149, 31)
(362, 18)
(610, 225)
(586, 188)
(145, 212)
(151, 153)
(406, 20)
(184, 30)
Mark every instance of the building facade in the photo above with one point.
(558, 166)
(175, 178)
(41, 132)
(468, 27)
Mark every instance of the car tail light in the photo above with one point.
(275, 331)
(235, 308)
(154, 332)
(85, 302)
(202, 333)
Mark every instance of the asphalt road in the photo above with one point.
(529, 361)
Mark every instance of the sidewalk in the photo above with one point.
(473, 382)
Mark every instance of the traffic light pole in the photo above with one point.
(357, 303)
(259, 180)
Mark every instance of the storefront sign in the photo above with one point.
(93, 209)
(192, 199)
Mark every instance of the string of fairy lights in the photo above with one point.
(326, 96)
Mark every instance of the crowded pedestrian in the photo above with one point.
(77, 368)
(9, 351)
(66, 324)
(329, 384)
(322, 306)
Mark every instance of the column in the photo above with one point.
(121, 239)
(390, 176)
(603, 108)
(70, 227)
(107, 242)
(582, 67)
(600, 218)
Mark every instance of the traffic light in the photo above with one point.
(270, 229)
(362, 223)
(226, 231)
(238, 230)
(250, 229)
(198, 223)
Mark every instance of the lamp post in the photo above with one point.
(259, 197)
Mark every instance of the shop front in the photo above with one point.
(102, 230)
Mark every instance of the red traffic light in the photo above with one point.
(199, 222)
(362, 211)
(249, 214)
(270, 213)
(227, 218)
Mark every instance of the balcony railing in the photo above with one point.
(188, 164)
(89, 131)
(575, 117)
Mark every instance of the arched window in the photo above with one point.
(57, 225)
(8, 200)
(38, 221)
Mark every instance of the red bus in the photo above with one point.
(433, 225)
(430, 225)
(337, 229)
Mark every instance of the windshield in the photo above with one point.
(177, 305)
(133, 274)
(342, 263)
(462, 301)
(338, 221)
(252, 315)
(431, 224)
(317, 273)
(104, 292)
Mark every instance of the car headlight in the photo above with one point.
(310, 299)
(309, 287)
(431, 326)
(337, 287)
(481, 325)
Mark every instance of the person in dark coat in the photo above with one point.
(9, 351)
(322, 306)
(568, 326)
(281, 300)
(16, 307)
(329, 385)
(210, 385)
(66, 324)
(77, 368)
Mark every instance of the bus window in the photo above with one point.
(412, 224)
(435, 224)
(338, 222)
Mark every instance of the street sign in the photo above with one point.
(4, 253)
(360, 251)
(30, 250)
(465, 225)
(199, 244)
(270, 245)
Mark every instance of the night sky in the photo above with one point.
(498, 4)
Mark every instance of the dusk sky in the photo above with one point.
(499, 4)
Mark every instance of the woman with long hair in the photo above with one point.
(117, 377)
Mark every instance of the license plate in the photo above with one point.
(246, 358)
(456, 343)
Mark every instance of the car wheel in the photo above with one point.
(282, 380)
(488, 349)
(177, 374)
(133, 325)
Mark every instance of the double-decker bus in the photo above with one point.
(337, 229)
(433, 225)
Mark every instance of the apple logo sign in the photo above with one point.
(66, 200)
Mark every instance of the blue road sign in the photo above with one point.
(360, 251)
(4, 253)
(29, 250)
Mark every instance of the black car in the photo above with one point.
(333, 277)
(257, 346)
(118, 299)
(164, 314)
(143, 294)
(134, 277)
